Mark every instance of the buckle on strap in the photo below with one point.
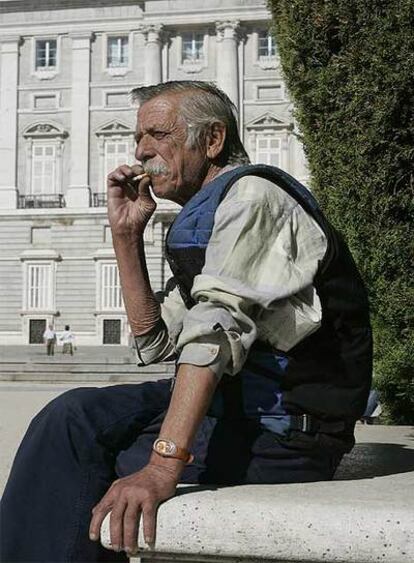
(309, 423)
(305, 423)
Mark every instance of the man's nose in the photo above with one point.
(144, 149)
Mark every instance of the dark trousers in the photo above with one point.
(79, 443)
(50, 346)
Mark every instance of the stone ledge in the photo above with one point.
(349, 520)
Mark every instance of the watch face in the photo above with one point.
(165, 447)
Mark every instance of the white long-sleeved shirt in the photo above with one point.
(256, 283)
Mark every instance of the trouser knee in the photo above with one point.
(68, 410)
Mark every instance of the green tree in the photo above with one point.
(349, 67)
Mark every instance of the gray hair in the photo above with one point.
(205, 104)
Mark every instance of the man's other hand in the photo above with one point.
(130, 204)
(130, 498)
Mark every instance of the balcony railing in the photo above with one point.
(99, 199)
(41, 201)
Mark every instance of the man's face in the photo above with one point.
(177, 171)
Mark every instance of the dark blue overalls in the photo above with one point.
(255, 432)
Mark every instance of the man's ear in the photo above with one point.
(215, 140)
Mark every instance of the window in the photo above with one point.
(266, 45)
(268, 150)
(117, 52)
(192, 47)
(111, 287)
(46, 50)
(43, 169)
(116, 153)
(39, 286)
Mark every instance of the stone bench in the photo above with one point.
(365, 515)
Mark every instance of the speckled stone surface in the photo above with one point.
(365, 515)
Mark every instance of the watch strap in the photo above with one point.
(168, 448)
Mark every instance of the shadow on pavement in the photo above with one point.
(369, 460)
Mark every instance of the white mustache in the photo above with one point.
(154, 169)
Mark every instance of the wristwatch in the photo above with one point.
(167, 448)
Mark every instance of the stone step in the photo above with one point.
(87, 371)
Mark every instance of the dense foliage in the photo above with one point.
(349, 67)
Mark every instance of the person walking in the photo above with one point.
(49, 338)
(67, 339)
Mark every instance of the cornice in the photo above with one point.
(126, 23)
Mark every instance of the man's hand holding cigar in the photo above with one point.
(130, 204)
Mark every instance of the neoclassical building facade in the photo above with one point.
(66, 70)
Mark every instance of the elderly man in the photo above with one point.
(268, 324)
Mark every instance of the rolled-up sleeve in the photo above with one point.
(261, 258)
(154, 346)
(159, 344)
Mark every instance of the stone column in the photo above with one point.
(227, 59)
(9, 69)
(78, 194)
(153, 70)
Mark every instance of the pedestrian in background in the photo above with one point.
(68, 339)
(49, 338)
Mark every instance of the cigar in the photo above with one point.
(139, 177)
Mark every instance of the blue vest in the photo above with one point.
(328, 374)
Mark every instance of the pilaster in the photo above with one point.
(78, 194)
(153, 43)
(9, 71)
(227, 59)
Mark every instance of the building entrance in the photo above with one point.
(112, 331)
(36, 329)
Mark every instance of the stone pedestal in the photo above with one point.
(78, 194)
(9, 67)
(227, 59)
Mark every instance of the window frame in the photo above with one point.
(45, 73)
(271, 44)
(101, 305)
(122, 47)
(113, 130)
(192, 66)
(116, 140)
(44, 132)
(50, 143)
(268, 137)
(265, 62)
(193, 41)
(49, 305)
(117, 70)
(48, 50)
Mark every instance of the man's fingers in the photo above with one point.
(131, 524)
(99, 512)
(143, 188)
(149, 517)
(123, 174)
(116, 525)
